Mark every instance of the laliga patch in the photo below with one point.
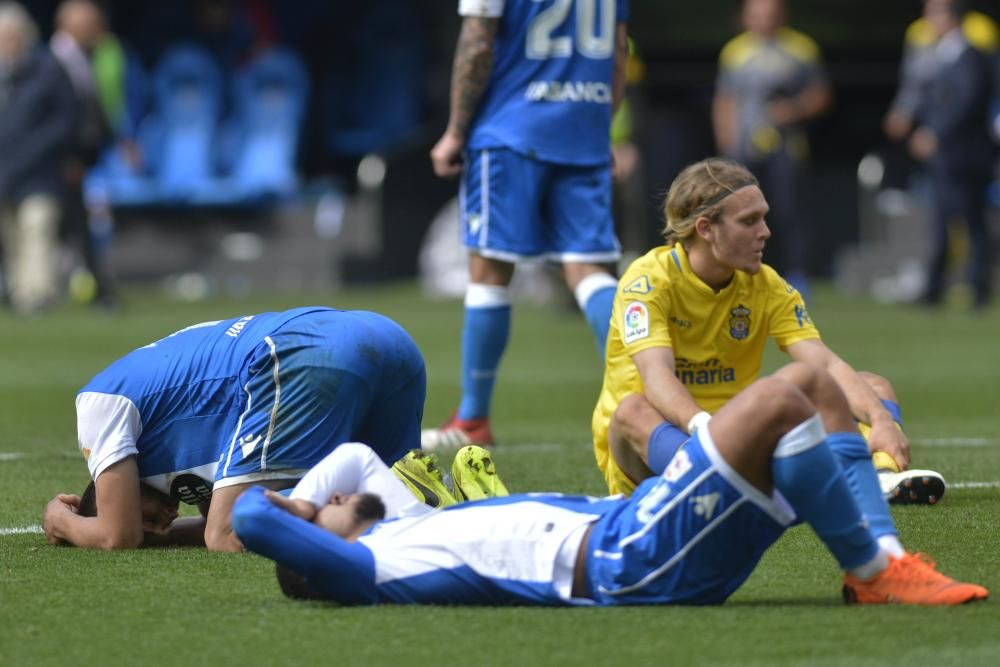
(636, 322)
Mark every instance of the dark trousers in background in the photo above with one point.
(77, 232)
(780, 177)
(959, 197)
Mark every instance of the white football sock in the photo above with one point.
(872, 568)
(892, 544)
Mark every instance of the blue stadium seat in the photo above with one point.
(259, 142)
(178, 137)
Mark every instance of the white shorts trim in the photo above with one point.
(775, 505)
(260, 476)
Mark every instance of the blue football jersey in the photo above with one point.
(173, 403)
(550, 91)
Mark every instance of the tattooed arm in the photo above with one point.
(469, 78)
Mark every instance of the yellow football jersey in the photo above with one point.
(718, 339)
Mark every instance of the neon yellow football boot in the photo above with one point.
(419, 471)
(475, 475)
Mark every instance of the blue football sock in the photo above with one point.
(664, 442)
(856, 462)
(484, 339)
(807, 474)
(596, 295)
(894, 410)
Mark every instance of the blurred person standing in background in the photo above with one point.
(534, 87)
(80, 28)
(771, 82)
(38, 113)
(919, 64)
(951, 135)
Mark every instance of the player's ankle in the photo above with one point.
(871, 569)
(890, 543)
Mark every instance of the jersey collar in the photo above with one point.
(679, 258)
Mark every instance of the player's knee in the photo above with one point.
(879, 384)
(816, 383)
(786, 404)
(635, 416)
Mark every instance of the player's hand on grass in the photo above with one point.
(446, 156)
(58, 507)
(885, 436)
(300, 508)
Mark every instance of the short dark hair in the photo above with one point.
(294, 585)
(88, 501)
(369, 508)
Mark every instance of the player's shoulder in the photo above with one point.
(981, 31)
(769, 280)
(738, 50)
(647, 273)
(800, 45)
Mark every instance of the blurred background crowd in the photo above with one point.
(237, 145)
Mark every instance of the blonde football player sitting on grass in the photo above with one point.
(689, 326)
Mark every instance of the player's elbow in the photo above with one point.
(122, 539)
(222, 540)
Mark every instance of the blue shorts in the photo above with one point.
(513, 207)
(323, 379)
(690, 536)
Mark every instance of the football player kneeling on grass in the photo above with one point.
(209, 410)
(689, 536)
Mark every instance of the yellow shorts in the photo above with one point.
(618, 481)
(881, 460)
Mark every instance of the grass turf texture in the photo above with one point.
(61, 606)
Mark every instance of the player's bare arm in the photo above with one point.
(470, 76)
(865, 404)
(303, 509)
(725, 108)
(219, 535)
(662, 388)
(118, 524)
(810, 103)
(621, 62)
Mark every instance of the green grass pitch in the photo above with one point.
(64, 606)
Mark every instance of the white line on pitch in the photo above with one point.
(27, 530)
(10, 456)
(974, 485)
(956, 442)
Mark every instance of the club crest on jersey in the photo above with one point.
(636, 322)
(739, 322)
(638, 286)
